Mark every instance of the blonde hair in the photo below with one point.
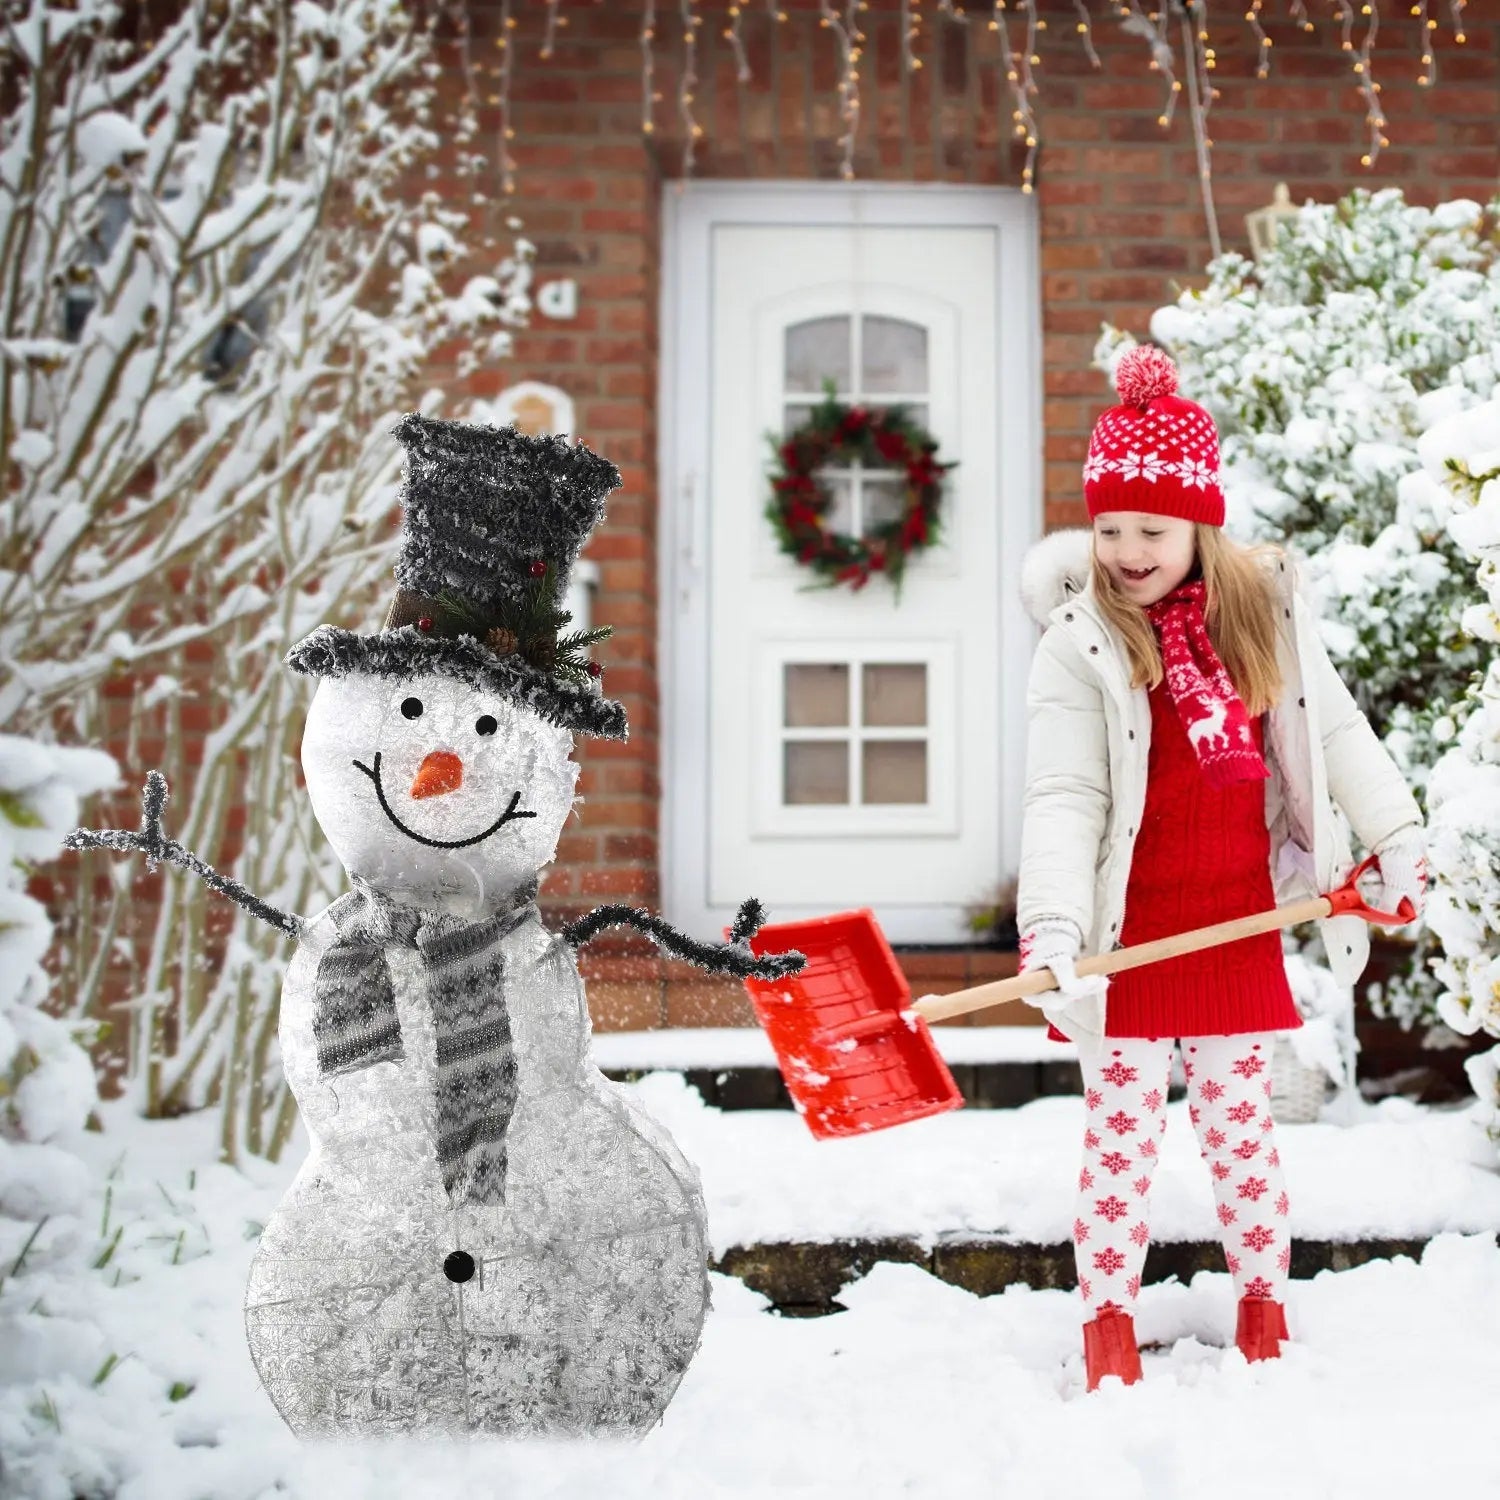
(1239, 610)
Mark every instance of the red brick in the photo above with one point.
(1085, 255)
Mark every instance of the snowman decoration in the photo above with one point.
(487, 1237)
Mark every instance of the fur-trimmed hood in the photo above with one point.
(1054, 569)
(1058, 568)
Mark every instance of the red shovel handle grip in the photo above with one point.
(1346, 902)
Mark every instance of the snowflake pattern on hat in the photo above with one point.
(1157, 451)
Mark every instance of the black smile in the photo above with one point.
(500, 822)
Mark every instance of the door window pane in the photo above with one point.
(794, 416)
(840, 513)
(894, 693)
(816, 695)
(815, 771)
(895, 771)
(816, 351)
(884, 502)
(894, 357)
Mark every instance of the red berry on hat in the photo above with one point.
(1143, 374)
(425, 623)
(536, 567)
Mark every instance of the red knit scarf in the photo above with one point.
(1218, 727)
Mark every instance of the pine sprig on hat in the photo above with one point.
(529, 626)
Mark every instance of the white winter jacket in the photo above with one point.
(1089, 736)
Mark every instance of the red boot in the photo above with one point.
(1260, 1328)
(1109, 1348)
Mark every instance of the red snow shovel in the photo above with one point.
(857, 1054)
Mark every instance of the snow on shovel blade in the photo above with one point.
(854, 1054)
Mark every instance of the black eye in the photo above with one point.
(411, 708)
(486, 725)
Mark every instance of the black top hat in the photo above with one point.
(494, 521)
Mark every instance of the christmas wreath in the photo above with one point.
(875, 439)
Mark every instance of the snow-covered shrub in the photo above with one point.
(1460, 481)
(221, 290)
(1316, 362)
(46, 1079)
(46, 1082)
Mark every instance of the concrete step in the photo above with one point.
(803, 1279)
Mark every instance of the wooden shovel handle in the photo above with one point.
(1346, 900)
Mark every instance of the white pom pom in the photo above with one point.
(1143, 374)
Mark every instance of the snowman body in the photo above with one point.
(588, 1286)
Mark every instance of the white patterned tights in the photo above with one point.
(1229, 1093)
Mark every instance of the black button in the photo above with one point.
(1067, 617)
(1287, 613)
(1131, 733)
(1348, 950)
(1093, 651)
(1130, 833)
(459, 1266)
(1302, 703)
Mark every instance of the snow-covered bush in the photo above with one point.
(46, 1079)
(1315, 362)
(1460, 481)
(221, 289)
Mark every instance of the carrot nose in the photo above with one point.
(442, 771)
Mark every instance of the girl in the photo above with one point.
(1187, 741)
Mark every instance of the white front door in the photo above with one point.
(832, 749)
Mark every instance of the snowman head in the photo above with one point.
(434, 792)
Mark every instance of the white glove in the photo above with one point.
(1402, 862)
(1076, 1006)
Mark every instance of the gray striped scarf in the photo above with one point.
(355, 1022)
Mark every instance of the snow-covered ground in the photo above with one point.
(919, 1389)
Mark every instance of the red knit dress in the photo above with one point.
(1203, 855)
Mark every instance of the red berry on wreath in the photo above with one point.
(594, 669)
(425, 623)
(536, 567)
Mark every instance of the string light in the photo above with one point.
(1017, 60)
(1263, 58)
(1029, 59)
(688, 80)
(549, 35)
(1428, 76)
(1456, 10)
(505, 42)
(737, 44)
(1197, 59)
(1022, 118)
(848, 36)
(1153, 28)
(648, 70)
(1085, 30)
(1365, 70)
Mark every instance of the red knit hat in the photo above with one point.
(1156, 452)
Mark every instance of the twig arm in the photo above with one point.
(156, 847)
(734, 957)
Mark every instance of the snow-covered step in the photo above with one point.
(733, 1067)
(986, 1197)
